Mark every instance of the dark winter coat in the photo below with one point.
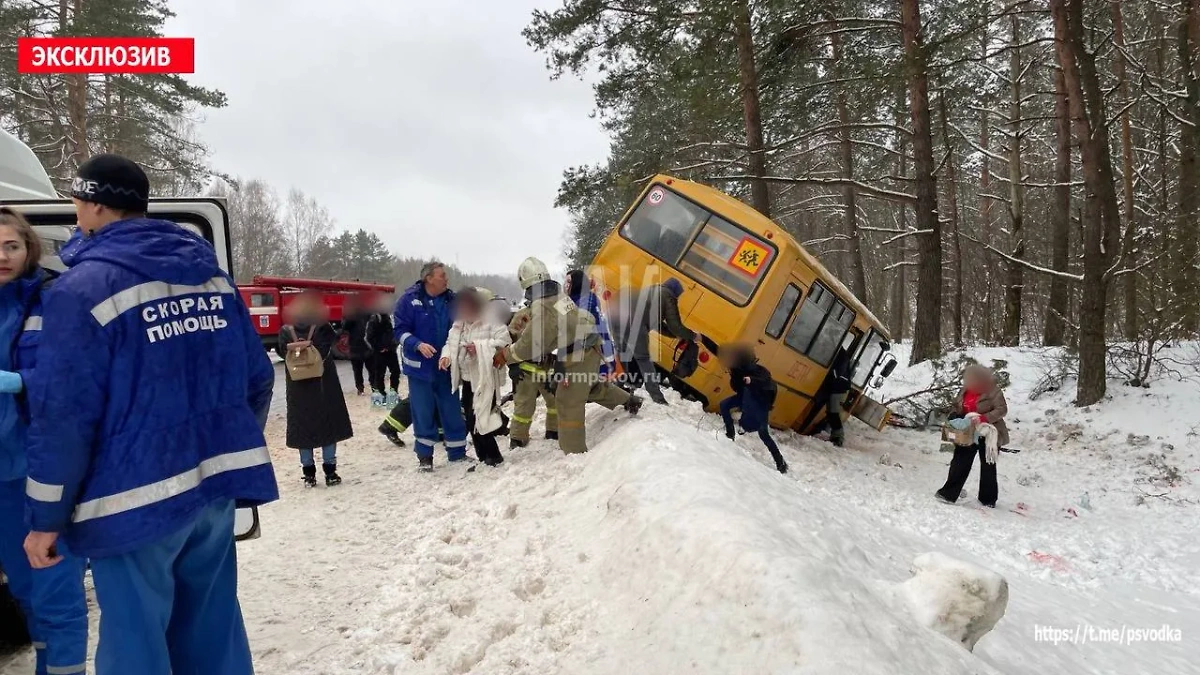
(316, 408)
(838, 379)
(355, 326)
(380, 336)
(992, 406)
(758, 397)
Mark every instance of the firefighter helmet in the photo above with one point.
(531, 272)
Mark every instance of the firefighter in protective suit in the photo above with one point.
(530, 380)
(558, 326)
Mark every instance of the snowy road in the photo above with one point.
(669, 550)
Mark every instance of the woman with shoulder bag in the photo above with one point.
(316, 406)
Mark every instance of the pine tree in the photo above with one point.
(67, 118)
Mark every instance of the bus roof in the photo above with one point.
(742, 214)
(21, 174)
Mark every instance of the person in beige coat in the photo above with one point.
(982, 401)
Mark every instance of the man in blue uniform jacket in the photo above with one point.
(422, 324)
(146, 409)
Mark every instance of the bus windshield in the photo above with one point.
(724, 257)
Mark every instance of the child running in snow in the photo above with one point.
(470, 355)
(754, 393)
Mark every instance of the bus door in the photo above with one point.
(786, 367)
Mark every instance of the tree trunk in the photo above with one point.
(955, 241)
(748, 74)
(1016, 192)
(900, 287)
(1188, 218)
(1058, 309)
(1101, 220)
(76, 99)
(985, 210)
(1129, 244)
(927, 331)
(858, 274)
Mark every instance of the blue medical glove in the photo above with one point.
(10, 382)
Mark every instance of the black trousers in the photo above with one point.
(486, 447)
(357, 365)
(960, 470)
(380, 365)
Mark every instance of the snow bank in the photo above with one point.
(955, 598)
(714, 564)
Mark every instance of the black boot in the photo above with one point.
(513, 444)
(331, 477)
(633, 405)
(552, 435)
(426, 464)
(310, 476)
(389, 432)
(658, 398)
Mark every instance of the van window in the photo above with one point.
(820, 325)
(262, 300)
(783, 311)
(662, 225)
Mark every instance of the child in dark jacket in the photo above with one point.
(754, 394)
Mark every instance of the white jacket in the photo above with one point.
(486, 381)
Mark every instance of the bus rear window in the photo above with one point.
(727, 259)
(662, 225)
(720, 255)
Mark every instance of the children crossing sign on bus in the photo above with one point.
(749, 256)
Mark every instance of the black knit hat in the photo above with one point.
(113, 181)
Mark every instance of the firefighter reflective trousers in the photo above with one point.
(579, 385)
(533, 383)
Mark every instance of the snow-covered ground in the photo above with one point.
(668, 549)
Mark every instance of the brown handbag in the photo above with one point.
(304, 364)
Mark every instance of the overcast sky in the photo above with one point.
(429, 122)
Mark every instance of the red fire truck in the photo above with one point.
(268, 298)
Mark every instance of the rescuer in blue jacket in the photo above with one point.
(146, 410)
(422, 320)
(52, 599)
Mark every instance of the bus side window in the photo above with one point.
(783, 311)
(820, 325)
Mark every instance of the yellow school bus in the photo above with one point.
(746, 280)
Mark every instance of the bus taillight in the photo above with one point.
(703, 357)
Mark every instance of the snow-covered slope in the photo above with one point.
(668, 549)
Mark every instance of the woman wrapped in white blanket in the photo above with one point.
(470, 353)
